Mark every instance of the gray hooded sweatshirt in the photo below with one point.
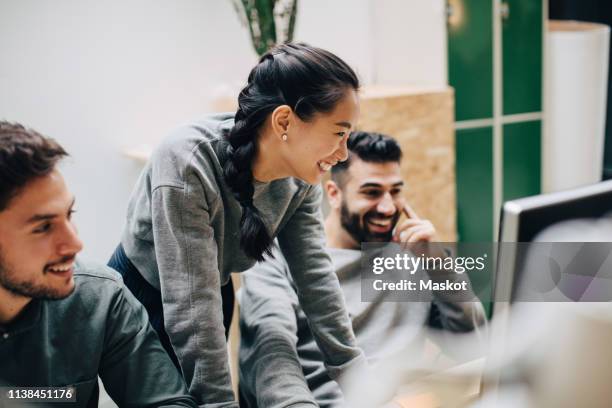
(182, 234)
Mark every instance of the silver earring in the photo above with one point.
(284, 137)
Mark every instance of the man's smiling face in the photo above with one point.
(372, 200)
(38, 241)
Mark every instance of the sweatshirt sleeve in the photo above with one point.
(455, 312)
(135, 369)
(270, 370)
(457, 316)
(302, 241)
(190, 284)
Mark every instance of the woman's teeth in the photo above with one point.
(324, 166)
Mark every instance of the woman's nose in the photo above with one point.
(342, 152)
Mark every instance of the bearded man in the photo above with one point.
(280, 363)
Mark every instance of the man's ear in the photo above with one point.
(334, 194)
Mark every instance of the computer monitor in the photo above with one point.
(523, 219)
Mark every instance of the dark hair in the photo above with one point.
(307, 79)
(24, 155)
(369, 147)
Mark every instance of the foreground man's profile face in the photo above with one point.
(38, 240)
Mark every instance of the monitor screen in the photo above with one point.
(523, 219)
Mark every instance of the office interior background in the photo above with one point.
(480, 93)
(110, 80)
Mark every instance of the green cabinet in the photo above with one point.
(522, 56)
(470, 50)
(522, 152)
(495, 53)
(474, 184)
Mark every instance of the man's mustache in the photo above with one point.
(377, 215)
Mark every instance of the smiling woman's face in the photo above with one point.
(318, 144)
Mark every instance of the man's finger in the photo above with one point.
(409, 232)
(407, 224)
(422, 235)
(417, 233)
(409, 212)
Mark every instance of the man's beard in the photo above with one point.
(28, 289)
(358, 227)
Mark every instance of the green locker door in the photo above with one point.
(470, 58)
(522, 56)
(474, 184)
(522, 158)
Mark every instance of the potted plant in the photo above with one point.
(270, 22)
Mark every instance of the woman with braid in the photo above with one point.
(218, 191)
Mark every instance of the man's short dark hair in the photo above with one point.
(24, 156)
(370, 147)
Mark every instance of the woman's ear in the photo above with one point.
(280, 120)
(334, 194)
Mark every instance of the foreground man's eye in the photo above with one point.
(43, 228)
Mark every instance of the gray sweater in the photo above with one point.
(182, 234)
(281, 363)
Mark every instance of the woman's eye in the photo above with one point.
(341, 134)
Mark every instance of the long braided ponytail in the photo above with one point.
(309, 80)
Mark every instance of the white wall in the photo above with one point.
(409, 42)
(342, 26)
(100, 76)
(104, 76)
(392, 42)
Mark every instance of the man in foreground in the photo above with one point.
(280, 363)
(63, 321)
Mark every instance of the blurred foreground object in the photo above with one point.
(556, 356)
(553, 354)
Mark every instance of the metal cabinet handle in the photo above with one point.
(504, 10)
